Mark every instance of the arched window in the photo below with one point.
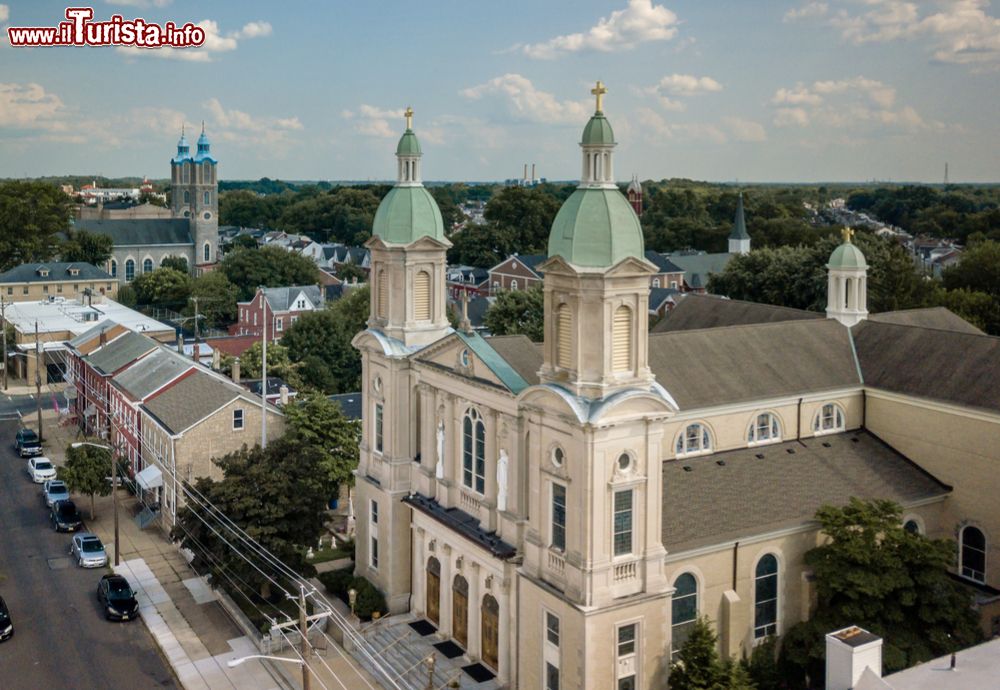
(829, 418)
(973, 554)
(513, 284)
(656, 282)
(422, 296)
(564, 336)
(684, 611)
(187, 195)
(764, 429)
(694, 439)
(129, 270)
(621, 339)
(474, 451)
(765, 600)
(912, 526)
(382, 297)
(147, 265)
(114, 268)
(207, 252)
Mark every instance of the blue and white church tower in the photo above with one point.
(195, 196)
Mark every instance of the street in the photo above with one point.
(61, 639)
(10, 405)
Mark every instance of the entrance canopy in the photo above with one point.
(150, 478)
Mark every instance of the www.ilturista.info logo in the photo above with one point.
(79, 30)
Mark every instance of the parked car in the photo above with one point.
(6, 625)
(114, 592)
(27, 443)
(54, 490)
(65, 517)
(41, 469)
(89, 550)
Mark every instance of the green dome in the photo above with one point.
(598, 131)
(597, 228)
(406, 214)
(847, 256)
(408, 144)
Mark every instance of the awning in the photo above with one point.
(150, 478)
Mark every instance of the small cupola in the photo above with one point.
(847, 286)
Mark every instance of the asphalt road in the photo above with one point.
(10, 405)
(61, 639)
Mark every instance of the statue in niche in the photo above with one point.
(502, 480)
(439, 468)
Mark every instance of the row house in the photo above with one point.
(468, 280)
(668, 274)
(516, 272)
(278, 307)
(335, 255)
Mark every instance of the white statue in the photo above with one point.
(502, 480)
(350, 517)
(439, 468)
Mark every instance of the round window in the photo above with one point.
(624, 461)
(557, 457)
(464, 357)
(377, 385)
(207, 216)
(187, 214)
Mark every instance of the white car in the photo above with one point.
(40, 469)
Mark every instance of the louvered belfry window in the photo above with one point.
(621, 339)
(422, 296)
(564, 337)
(383, 294)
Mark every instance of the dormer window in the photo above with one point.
(764, 429)
(74, 271)
(829, 419)
(43, 272)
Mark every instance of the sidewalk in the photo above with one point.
(181, 611)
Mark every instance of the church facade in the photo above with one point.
(563, 511)
(190, 229)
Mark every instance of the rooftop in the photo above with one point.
(54, 271)
(975, 668)
(59, 315)
(695, 311)
(193, 399)
(127, 232)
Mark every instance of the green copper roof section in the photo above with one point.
(847, 256)
(407, 214)
(596, 228)
(598, 132)
(408, 144)
(739, 224)
(514, 382)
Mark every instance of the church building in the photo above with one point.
(563, 511)
(190, 229)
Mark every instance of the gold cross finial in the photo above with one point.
(599, 91)
(409, 117)
(848, 234)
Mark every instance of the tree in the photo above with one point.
(86, 471)
(87, 247)
(32, 214)
(164, 287)
(518, 312)
(349, 272)
(874, 574)
(278, 364)
(249, 269)
(979, 270)
(178, 263)
(216, 299)
(315, 420)
(698, 666)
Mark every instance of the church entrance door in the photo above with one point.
(491, 632)
(434, 591)
(460, 611)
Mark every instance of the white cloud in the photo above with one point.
(215, 42)
(657, 128)
(675, 86)
(525, 102)
(810, 10)
(4, 13)
(242, 128)
(29, 106)
(852, 103)
(640, 22)
(745, 130)
(372, 121)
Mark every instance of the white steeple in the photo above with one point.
(847, 289)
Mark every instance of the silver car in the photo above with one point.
(88, 551)
(54, 490)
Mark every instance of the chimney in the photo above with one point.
(180, 343)
(283, 391)
(533, 178)
(216, 359)
(196, 353)
(236, 370)
(104, 337)
(849, 652)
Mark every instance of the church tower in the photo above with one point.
(847, 287)
(635, 195)
(739, 239)
(596, 279)
(195, 196)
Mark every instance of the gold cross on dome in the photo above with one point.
(599, 91)
(848, 233)
(409, 117)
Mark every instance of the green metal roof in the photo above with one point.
(739, 224)
(596, 227)
(598, 131)
(514, 382)
(847, 256)
(406, 214)
(408, 144)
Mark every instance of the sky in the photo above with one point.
(722, 90)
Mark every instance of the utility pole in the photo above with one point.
(306, 647)
(3, 334)
(195, 318)
(38, 379)
(263, 376)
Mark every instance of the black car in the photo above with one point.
(65, 517)
(6, 626)
(27, 443)
(114, 592)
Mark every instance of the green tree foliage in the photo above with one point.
(88, 247)
(216, 299)
(369, 599)
(344, 214)
(349, 272)
(164, 287)
(178, 263)
(32, 214)
(518, 312)
(450, 212)
(699, 667)
(978, 308)
(278, 496)
(873, 573)
(315, 420)
(86, 471)
(249, 269)
(955, 212)
(278, 365)
(518, 219)
(978, 271)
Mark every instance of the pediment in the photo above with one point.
(459, 357)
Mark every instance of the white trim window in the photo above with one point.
(378, 428)
(474, 451)
(765, 600)
(695, 439)
(550, 652)
(829, 419)
(765, 428)
(973, 551)
(238, 419)
(622, 523)
(625, 652)
(373, 534)
(279, 324)
(557, 538)
(683, 611)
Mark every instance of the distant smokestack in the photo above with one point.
(236, 370)
(533, 178)
(525, 171)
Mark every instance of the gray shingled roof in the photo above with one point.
(700, 265)
(718, 366)
(157, 370)
(934, 317)
(523, 356)
(126, 232)
(121, 351)
(351, 404)
(191, 400)
(706, 311)
(662, 263)
(960, 368)
(750, 495)
(57, 270)
(94, 332)
(280, 298)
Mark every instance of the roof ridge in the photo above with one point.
(800, 322)
(931, 328)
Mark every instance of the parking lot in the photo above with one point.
(61, 638)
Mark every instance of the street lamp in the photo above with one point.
(352, 597)
(114, 484)
(236, 662)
